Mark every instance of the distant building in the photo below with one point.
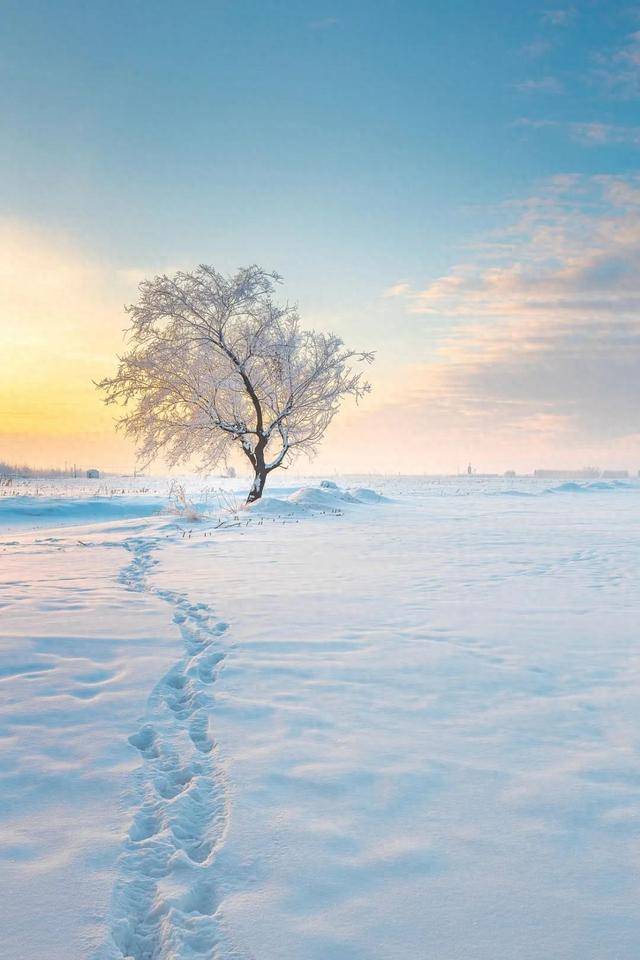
(587, 474)
(615, 474)
(509, 473)
(93, 474)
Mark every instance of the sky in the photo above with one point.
(455, 185)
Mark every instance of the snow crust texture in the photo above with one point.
(338, 725)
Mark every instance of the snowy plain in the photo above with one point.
(337, 728)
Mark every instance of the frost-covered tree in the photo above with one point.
(213, 364)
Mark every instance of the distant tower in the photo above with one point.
(469, 470)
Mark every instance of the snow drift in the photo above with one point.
(328, 497)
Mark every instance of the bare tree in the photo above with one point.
(214, 364)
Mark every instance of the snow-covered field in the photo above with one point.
(331, 729)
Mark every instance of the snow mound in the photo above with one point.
(322, 498)
(596, 486)
(275, 507)
(328, 497)
(608, 485)
(364, 495)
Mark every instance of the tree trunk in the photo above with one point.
(258, 485)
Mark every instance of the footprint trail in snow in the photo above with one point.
(165, 901)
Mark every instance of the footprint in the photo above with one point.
(165, 895)
(199, 732)
(192, 838)
(175, 783)
(145, 824)
(202, 898)
(207, 667)
(177, 680)
(145, 741)
(199, 612)
(183, 700)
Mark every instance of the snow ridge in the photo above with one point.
(165, 900)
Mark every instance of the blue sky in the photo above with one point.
(161, 130)
(352, 147)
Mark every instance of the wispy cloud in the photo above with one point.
(399, 289)
(595, 133)
(560, 17)
(546, 84)
(536, 49)
(546, 319)
(590, 133)
(619, 69)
